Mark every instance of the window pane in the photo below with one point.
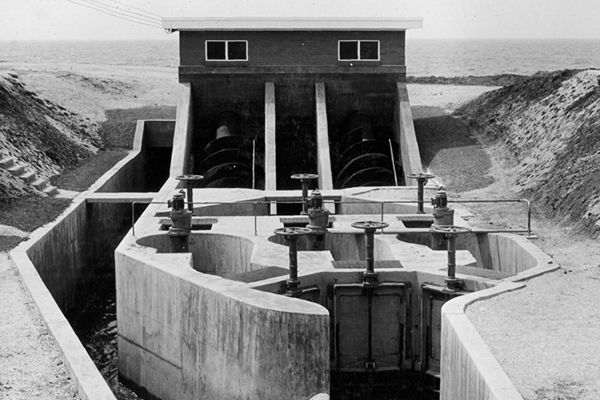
(215, 50)
(236, 50)
(369, 50)
(348, 50)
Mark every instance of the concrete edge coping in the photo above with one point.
(87, 379)
(236, 291)
(499, 384)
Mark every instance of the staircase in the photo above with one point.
(29, 177)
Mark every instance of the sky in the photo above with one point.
(452, 19)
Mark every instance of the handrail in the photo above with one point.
(502, 201)
(393, 162)
(383, 202)
(254, 164)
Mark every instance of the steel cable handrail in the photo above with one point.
(382, 202)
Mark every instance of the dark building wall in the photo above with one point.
(294, 62)
(294, 94)
(292, 48)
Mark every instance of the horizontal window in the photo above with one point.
(358, 50)
(227, 50)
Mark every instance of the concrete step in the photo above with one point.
(40, 184)
(50, 191)
(6, 162)
(16, 170)
(28, 176)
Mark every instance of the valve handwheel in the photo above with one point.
(189, 177)
(370, 224)
(421, 175)
(292, 231)
(189, 184)
(449, 229)
(304, 176)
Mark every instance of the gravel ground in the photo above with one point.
(31, 365)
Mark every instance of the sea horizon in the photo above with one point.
(425, 57)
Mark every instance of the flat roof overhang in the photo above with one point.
(291, 24)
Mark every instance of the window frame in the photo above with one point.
(359, 41)
(226, 59)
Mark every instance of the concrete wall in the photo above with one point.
(60, 256)
(404, 134)
(469, 370)
(65, 255)
(187, 335)
(232, 209)
(182, 140)
(270, 142)
(131, 173)
(323, 153)
(502, 252)
(212, 253)
(354, 205)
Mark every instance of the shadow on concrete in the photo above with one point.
(450, 152)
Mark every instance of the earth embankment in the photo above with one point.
(549, 124)
(40, 135)
(54, 118)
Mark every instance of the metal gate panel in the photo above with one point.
(369, 324)
(433, 298)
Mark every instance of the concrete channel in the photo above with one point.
(218, 320)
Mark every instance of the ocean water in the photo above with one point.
(443, 57)
(492, 57)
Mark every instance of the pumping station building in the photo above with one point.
(288, 243)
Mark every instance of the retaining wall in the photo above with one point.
(500, 252)
(188, 335)
(212, 253)
(469, 370)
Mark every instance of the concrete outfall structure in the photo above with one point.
(190, 321)
(212, 319)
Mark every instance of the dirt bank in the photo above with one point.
(52, 115)
(539, 137)
(549, 124)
